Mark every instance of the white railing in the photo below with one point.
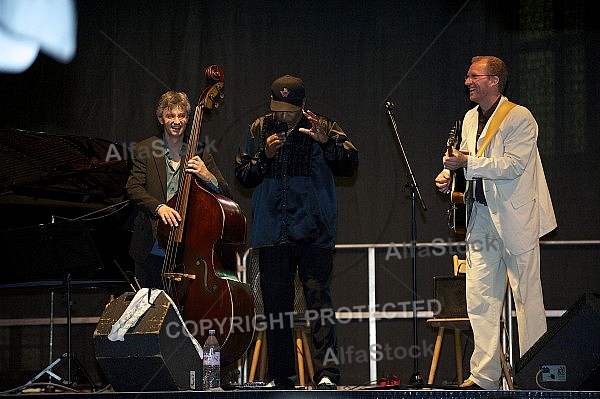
(372, 315)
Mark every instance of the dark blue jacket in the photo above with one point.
(294, 200)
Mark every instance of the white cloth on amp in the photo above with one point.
(139, 305)
(141, 302)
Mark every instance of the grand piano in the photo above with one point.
(64, 218)
(49, 179)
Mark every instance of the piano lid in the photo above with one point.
(61, 167)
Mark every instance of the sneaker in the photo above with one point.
(326, 384)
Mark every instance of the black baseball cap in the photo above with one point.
(287, 93)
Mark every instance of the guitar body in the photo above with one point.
(458, 214)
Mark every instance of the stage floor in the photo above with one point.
(342, 392)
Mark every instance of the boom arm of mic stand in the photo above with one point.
(413, 183)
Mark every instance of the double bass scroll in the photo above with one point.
(197, 270)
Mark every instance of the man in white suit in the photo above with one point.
(511, 210)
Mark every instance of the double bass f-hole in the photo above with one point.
(206, 271)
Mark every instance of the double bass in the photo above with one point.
(200, 268)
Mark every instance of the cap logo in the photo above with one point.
(285, 92)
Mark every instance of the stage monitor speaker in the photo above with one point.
(155, 355)
(567, 356)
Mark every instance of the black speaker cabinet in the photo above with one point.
(567, 356)
(449, 291)
(155, 354)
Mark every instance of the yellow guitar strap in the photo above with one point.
(497, 119)
(467, 199)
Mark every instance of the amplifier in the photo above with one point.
(154, 356)
(449, 291)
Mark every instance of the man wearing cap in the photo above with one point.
(289, 158)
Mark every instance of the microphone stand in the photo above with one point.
(416, 380)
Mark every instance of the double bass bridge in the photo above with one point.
(179, 276)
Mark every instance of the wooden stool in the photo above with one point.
(301, 327)
(259, 357)
(458, 325)
(303, 356)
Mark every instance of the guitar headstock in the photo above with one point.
(213, 95)
(453, 137)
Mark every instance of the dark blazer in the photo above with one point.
(147, 188)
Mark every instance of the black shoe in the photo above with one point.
(327, 384)
(468, 384)
(284, 383)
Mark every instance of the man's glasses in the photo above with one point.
(475, 77)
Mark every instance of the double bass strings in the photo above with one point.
(176, 233)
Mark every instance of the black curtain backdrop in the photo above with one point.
(354, 56)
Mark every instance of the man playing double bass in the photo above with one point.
(154, 180)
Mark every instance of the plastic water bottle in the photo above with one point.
(211, 362)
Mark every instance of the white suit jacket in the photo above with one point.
(513, 178)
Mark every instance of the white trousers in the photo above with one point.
(489, 265)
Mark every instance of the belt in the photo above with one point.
(478, 195)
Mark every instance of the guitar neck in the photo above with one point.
(453, 138)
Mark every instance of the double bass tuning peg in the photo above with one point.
(214, 95)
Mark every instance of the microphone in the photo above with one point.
(280, 127)
(389, 105)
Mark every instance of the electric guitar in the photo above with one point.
(458, 212)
